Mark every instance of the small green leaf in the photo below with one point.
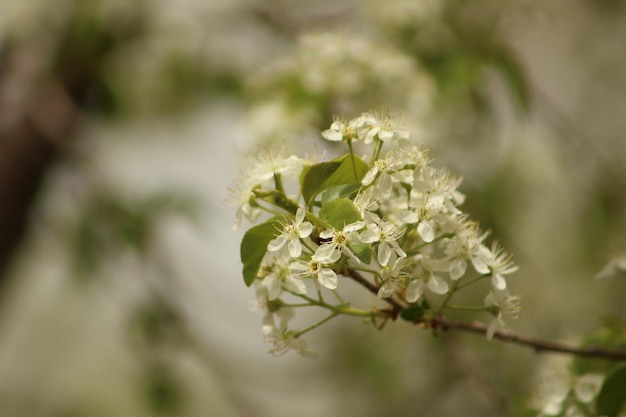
(612, 396)
(414, 314)
(363, 251)
(254, 246)
(339, 213)
(340, 171)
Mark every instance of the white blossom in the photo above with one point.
(291, 235)
(336, 243)
(277, 274)
(387, 235)
(316, 269)
(504, 306)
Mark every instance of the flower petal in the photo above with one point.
(295, 248)
(277, 243)
(437, 285)
(414, 291)
(328, 278)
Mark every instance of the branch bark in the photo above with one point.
(538, 345)
(507, 336)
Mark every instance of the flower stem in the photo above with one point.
(377, 148)
(465, 308)
(356, 177)
(316, 325)
(278, 183)
(451, 292)
(470, 282)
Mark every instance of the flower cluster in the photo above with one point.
(392, 224)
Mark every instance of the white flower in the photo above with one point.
(372, 127)
(292, 233)
(278, 274)
(282, 339)
(265, 165)
(503, 305)
(342, 130)
(393, 278)
(425, 277)
(241, 197)
(384, 172)
(613, 268)
(316, 269)
(500, 264)
(588, 386)
(465, 245)
(387, 235)
(337, 243)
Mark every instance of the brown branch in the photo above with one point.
(539, 345)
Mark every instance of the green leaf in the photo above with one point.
(254, 246)
(414, 314)
(337, 191)
(612, 396)
(324, 175)
(339, 213)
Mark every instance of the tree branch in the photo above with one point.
(538, 345)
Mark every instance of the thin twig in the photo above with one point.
(539, 345)
(397, 307)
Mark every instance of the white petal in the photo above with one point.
(332, 135)
(398, 250)
(369, 236)
(458, 268)
(384, 253)
(386, 290)
(296, 285)
(327, 234)
(426, 231)
(480, 265)
(385, 135)
(277, 243)
(305, 229)
(295, 248)
(493, 326)
(498, 282)
(437, 285)
(327, 278)
(384, 184)
(353, 227)
(409, 217)
(414, 291)
(324, 253)
(370, 176)
(300, 213)
(272, 283)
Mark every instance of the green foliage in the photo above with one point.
(339, 213)
(322, 176)
(612, 396)
(413, 314)
(254, 246)
(338, 191)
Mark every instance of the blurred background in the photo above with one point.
(123, 123)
